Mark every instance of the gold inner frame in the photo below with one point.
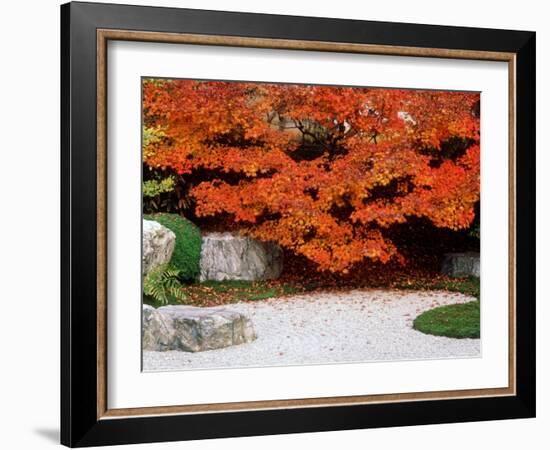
(103, 36)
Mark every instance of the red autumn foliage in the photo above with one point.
(322, 170)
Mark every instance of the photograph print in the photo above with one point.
(295, 224)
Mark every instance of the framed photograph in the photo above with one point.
(276, 224)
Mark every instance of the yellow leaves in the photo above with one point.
(250, 170)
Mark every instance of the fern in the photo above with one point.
(162, 284)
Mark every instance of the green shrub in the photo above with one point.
(187, 251)
(159, 192)
(153, 188)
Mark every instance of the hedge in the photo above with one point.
(187, 251)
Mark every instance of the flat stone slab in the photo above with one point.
(461, 264)
(228, 256)
(193, 329)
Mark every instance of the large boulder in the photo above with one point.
(158, 245)
(157, 332)
(193, 329)
(461, 264)
(228, 256)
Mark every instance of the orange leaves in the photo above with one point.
(322, 170)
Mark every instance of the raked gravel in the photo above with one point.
(330, 327)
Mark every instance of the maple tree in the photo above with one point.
(322, 170)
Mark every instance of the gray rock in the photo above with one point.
(158, 245)
(461, 264)
(227, 256)
(194, 329)
(157, 332)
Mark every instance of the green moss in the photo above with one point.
(239, 290)
(456, 321)
(210, 293)
(467, 286)
(187, 251)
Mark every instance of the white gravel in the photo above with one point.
(335, 327)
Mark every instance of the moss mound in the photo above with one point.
(456, 321)
(187, 251)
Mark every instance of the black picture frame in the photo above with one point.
(80, 424)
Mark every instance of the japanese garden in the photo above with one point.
(288, 224)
